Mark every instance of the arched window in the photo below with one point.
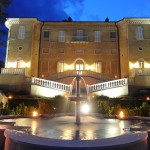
(21, 32)
(141, 63)
(79, 65)
(19, 62)
(139, 33)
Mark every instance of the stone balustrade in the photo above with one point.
(51, 84)
(13, 71)
(107, 85)
(82, 73)
(142, 71)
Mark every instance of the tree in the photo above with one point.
(107, 20)
(3, 15)
(69, 19)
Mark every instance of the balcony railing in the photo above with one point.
(20, 71)
(82, 73)
(142, 71)
(79, 38)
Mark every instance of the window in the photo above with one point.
(20, 48)
(114, 51)
(60, 67)
(98, 67)
(98, 51)
(139, 33)
(79, 35)
(46, 35)
(112, 34)
(79, 51)
(140, 48)
(141, 63)
(61, 37)
(21, 32)
(61, 50)
(79, 65)
(19, 62)
(97, 36)
(45, 50)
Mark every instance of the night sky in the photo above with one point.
(79, 10)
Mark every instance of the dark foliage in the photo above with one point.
(3, 15)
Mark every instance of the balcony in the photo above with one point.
(13, 71)
(79, 39)
(140, 72)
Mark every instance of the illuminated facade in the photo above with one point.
(116, 49)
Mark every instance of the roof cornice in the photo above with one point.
(11, 21)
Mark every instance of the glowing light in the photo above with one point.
(69, 67)
(35, 114)
(24, 65)
(89, 67)
(85, 108)
(10, 97)
(116, 76)
(147, 98)
(114, 92)
(135, 65)
(121, 114)
(54, 108)
(147, 65)
(93, 96)
(11, 65)
(42, 75)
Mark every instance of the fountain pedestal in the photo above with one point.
(77, 99)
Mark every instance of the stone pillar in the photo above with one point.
(77, 101)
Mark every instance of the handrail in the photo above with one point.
(107, 85)
(51, 84)
(82, 73)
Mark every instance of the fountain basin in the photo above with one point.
(25, 141)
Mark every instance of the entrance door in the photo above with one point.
(79, 66)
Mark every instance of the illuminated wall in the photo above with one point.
(45, 92)
(114, 92)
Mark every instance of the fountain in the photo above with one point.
(25, 141)
(77, 100)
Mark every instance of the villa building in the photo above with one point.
(115, 49)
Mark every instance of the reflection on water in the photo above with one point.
(34, 127)
(66, 128)
(122, 126)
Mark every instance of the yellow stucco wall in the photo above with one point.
(14, 83)
(142, 81)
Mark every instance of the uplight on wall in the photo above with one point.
(69, 67)
(147, 65)
(89, 67)
(11, 65)
(135, 65)
(25, 65)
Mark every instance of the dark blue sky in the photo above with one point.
(79, 10)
